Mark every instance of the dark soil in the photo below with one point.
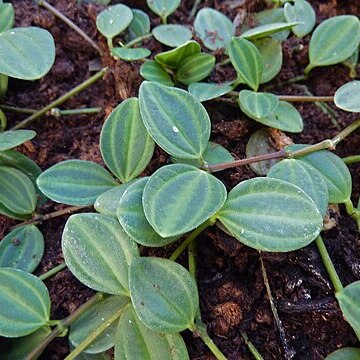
(232, 291)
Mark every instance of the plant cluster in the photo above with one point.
(143, 303)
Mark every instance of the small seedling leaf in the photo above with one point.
(195, 68)
(172, 35)
(175, 120)
(164, 294)
(22, 248)
(209, 91)
(246, 59)
(24, 303)
(75, 182)
(347, 97)
(130, 54)
(347, 353)
(27, 53)
(7, 17)
(98, 252)
(139, 26)
(136, 341)
(266, 30)
(214, 28)
(163, 8)
(153, 71)
(257, 105)
(12, 138)
(164, 194)
(114, 20)
(92, 319)
(271, 215)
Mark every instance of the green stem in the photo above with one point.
(53, 271)
(296, 98)
(350, 209)
(17, 109)
(191, 238)
(346, 132)
(164, 19)
(288, 82)
(3, 121)
(194, 9)
(351, 159)
(137, 40)
(110, 43)
(61, 99)
(255, 353)
(224, 62)
(70, 23)
(58, 112)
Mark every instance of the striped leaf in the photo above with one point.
(213, 28)
(257, 105)
(10, 139)
(347, 353)
(17, 192)
(5, 211)
(7, 17)
(125, 144)
(152, 71)
(75, 182)
(22, 248)
(164, 194)
(136, 341)
(262, 31)
(164, 294)
(24, 303)
(175, 120)
(163, 8)
(114, 20)
(98, 252)
(347, 97)
(139, 26)
(27, 53)
(195, 68)
(209, 91)
(130, 54)
(333, 41)
(172, 35)
(271, 215)
(246, 59)
(305, 177)
(130, 213)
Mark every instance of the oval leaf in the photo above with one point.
(139, 26)
(5, 211)
(153, 71)
(7, 17)
(163, 8)
(209, 91)
(34, 51)
(24, 303)
(130, 54)
(164, 294)
(164, 194)
(75, 182)
(172, 35)
(271, 215)
(175, 120)
(11, 139)
(22, 248)
(88, 234)
(125, 144)
(347, 97)
(257, 105)
(347, 353)
(266, 30)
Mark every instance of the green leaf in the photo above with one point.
(163, 8)
(333, 169)
(5, 211)
(209, 91)
(17, 191)
(22, 248)
(172, 35)
(139, 26)
(130, 213)
(271, 215)
(108, 201)
(75, 182)
(266, 30)
(125, 144)
(153, 71)
(164, 194)
(213, 28)
(175, 120)
(24, 303)
(135, 341)
(164, 294)
(271, 54)
(7, 17)
(10, 139)
(130, 54)
(286, 118)
(257, 105)
(347, 97)
(98, 252)
(27, 53)
(247, 61)
(92, 319)
(114, 20)
(333, 41)
(349, 302)
(347, 353)
(195, 68)
(173, 58)
(306, 177)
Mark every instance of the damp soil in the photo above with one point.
(232, 291)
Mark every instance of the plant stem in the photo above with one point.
(52, 271)
(58, 112)
(351, 159)
(224, 62)
(251, 347)
(346, 132)
(194, 9)
(35, 353)
(137, 40)
(70, 23)
(296, 98)
(17, 109)
(61, 99)
(191, 238)
(287, 82)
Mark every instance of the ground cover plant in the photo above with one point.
(173, 183)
